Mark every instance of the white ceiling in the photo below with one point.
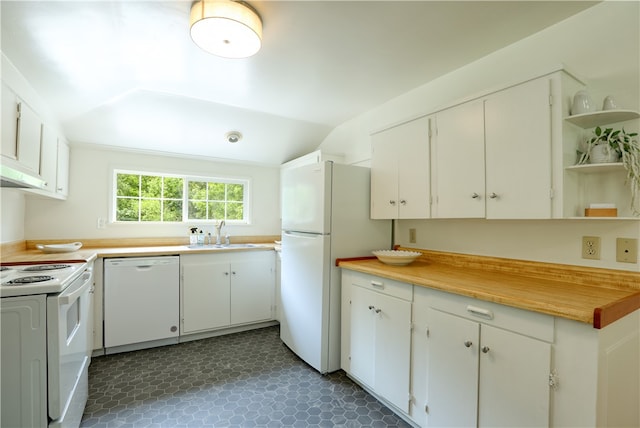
(125, 73)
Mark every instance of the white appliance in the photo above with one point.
(325, 215)
(141, 302)
(47, 328)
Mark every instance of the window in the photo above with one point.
(150, 197)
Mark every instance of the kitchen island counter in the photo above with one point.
(590, 295)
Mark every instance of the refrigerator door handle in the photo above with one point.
(302, 234)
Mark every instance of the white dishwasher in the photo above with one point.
(141, 302)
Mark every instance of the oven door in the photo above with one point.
(68, 331)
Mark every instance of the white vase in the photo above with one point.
(582, 103)
(602, 153)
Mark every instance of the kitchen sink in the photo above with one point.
(223, 246)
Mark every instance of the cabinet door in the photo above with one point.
(252, 290)
(9, 132)
(49, 158)
(514, 380)
(363, 335)
(205, 296)
(452, 389)
(414, 169)
(29, 134)
(458, 171)
(392, 349)
(384, 175)
(518, 152)
(62, 168)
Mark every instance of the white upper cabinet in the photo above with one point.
(9, 128)
(49, 158)
(518, 152)
(458, 175)
(400, 171)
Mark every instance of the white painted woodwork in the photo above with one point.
(518, 152)
(29, 134)
(9, 131)
(62, 168)
(49, 158)
(252, 289)
(458, 162)
(400, 171)
(226, 289)
(380, 340)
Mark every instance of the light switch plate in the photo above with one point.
(627, 250)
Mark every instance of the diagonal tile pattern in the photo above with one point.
(247, 379)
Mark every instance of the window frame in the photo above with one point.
(244, 181)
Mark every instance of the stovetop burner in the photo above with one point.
(41, 268)
(29, 280)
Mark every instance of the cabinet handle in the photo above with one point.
(485, 349)
(403, 202)
(468, 343)
(475, 195)
(377, 284)
(480, 312)
(378, 311)
(493, 195)
(226, 273)
(371, 307)
(233, 273)
(391, 202)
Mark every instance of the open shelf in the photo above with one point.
(596, 167)
(599, 118)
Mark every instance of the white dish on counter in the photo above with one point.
(60, 248)
(396, 257)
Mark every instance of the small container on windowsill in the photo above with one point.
(601, 210)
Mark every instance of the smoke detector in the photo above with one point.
(233, 136)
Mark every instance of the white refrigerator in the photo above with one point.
(325, 215)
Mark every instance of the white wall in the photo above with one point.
(602, 46)
(11, 215)
(89, 193)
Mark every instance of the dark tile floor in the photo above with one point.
(247, 379)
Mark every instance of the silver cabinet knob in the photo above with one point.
(392, 202)
(403, 202)
(485, 349)
(493, 195)
(378, 311)
(475, 195)
(468, 343)
(226, 273)
(371, 307)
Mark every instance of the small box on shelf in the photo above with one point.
(600, 212)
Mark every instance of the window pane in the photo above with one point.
(235, 211)
(198, 190)
(173, 187)
(235, 192)
(198, 210)
(127, 210)
(150, 210)
(128, 185)
(216, 191)
(151, 186)
(172, 211)
(216, 211)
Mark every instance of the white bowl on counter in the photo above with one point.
(396, 257)
(60, 248)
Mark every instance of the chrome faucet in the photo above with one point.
(219, 227)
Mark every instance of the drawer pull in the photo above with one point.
(479, 312)
(377, 284)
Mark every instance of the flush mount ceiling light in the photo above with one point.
(226, 28)
(233, 136)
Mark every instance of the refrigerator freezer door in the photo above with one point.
(306, 198)
(305, 297)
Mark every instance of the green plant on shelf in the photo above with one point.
(627, 149)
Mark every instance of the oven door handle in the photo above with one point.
(74, 295)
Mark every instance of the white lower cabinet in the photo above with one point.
(226, 289)
(379, 324)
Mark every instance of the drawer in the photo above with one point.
(528, 323)
(390, 287)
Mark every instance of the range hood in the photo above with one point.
(10, 177)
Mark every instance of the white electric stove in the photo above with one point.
(45, 278)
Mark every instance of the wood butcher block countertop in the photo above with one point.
(590, 295)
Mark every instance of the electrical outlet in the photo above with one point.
(627, 250)
(591, 247)
(412, 236)
(101, 223)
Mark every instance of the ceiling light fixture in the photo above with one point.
(226, 28)
(233, 136)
